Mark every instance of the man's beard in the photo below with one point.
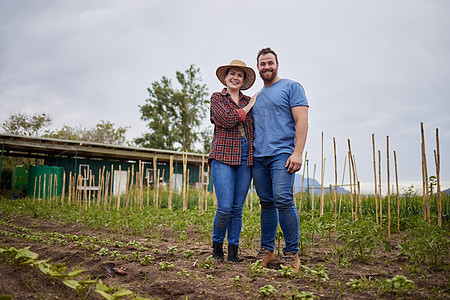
(269, 78)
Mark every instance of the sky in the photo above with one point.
(369, 67)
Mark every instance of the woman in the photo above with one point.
(231, 154)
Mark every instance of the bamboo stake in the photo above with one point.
(90, 186)
(141, 186)
(357, 187)
(335, 179)
(39, 194)
(63, 189)
(200, 192)
(148, 190)
(321, 187)
(425, 177)
(129, 185)
(170, 182)
(184, 181)
(321, 178)
(105, 200)
(437, 159)
(55, 188)
(69, 200)
(251, 195)
(85, 189)
(342, 186)
(351, 185)
(99, 188)
(44, 186)
(34, 191)
(111, 192)
(313, 193)
(50, 189)
(301, 190)
(375, 177)
(388, 187)
(398, 193)
(379, 189)
(206, 188)
(155, 167)
(157, 192)
(118, 189)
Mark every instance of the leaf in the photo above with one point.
(105, 295)
(25, 253)
(122, 293)
(73, 284)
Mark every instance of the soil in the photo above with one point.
(188, 278)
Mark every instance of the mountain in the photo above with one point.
(447, 191)
(315, 184)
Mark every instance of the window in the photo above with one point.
(84, 171)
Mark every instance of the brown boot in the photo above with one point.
(292, 260)
(266, 256)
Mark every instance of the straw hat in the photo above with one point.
(249, 80)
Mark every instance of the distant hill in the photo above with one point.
(447, 191)
(313, 183)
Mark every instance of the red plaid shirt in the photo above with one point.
(225, 114)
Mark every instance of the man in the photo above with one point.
(281, 126)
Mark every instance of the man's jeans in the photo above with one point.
(274, 186)
(231, 184)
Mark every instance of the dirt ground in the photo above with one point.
(189, 278)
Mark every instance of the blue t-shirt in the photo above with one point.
(274, 125)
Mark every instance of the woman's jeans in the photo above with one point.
(274, 186)
(231, 184)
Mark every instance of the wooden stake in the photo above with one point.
(185, 202)
(437, 159)
(342, 186)
(313, 192)
(335, 179)
(379, 189)
(63, 189)
(398, 193)
(118, 189)
(206, 188)
(39, 194)
(426, 203)
(375, 177)
(350, 184)
(388, 187)
(34, 191)
(322, 178)
(70, 189)
(170, 182)
(301, 190)
(155, 167)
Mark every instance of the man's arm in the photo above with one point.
(300, 114)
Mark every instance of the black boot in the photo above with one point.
(233, 253)
(217, 250)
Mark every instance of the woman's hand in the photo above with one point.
(250, 105)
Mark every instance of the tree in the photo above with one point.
(23, 124)
(104, 132)
(174, 115)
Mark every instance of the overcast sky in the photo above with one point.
(368, 67)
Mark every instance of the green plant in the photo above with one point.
(184, 272)
(288, 272)
(268, 291)
(304, 296)
(163, 266)
(256, 269)
(147, 259)
(188, 253)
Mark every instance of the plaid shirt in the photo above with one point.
(226, 115)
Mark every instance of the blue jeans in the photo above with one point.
(231, 184)
(274, 186)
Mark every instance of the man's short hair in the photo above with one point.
(265, 51)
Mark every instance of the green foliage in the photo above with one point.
(426, 244)
(23, 124)
(256, 269)
(174, 115)
(361, 238)
(104, 132)
(268, 291)
(164, 266)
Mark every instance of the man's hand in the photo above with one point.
(294, 163)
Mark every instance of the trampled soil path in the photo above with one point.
(189, 278)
